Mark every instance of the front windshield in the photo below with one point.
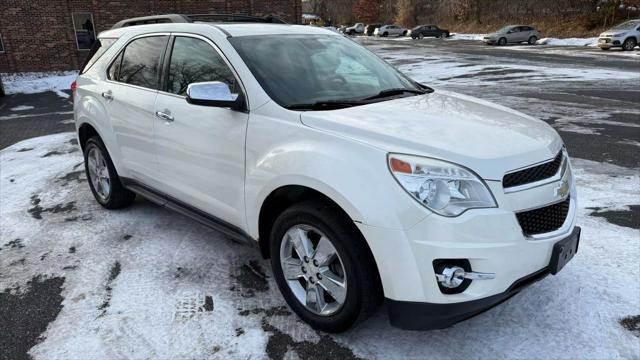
(626, 25)
(308, 69)
(505, 29)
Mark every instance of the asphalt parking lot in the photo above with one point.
(148, 283)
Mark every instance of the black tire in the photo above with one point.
(420, 36)
(352, 32)
(629, 44)
(502, 41)
(119, 197)
(532, 40)
(363, 288)
(385, 34)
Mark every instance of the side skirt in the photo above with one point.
(234, 232)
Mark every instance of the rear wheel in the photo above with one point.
(629, 44)
(322, 267)
(532, 40)
(103, 179)
(502, 41)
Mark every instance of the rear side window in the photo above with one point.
(141, 61)
(98, 48)
(194, 60)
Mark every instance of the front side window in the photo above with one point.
(307, 69)
(84, 30)
(193, 61)
(141, 61)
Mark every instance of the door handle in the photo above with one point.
(164, 116)
(108, 95)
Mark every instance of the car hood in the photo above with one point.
(488, 138)
(612, 32)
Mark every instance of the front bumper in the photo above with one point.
(429, 316)
(489, 41)
(491, 240)
(607, 43)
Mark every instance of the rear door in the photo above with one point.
(200, 149)
(129, 96)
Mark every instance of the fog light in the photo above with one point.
(452, 277)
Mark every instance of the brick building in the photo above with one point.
(46, 35)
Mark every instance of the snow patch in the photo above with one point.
(568, 41)
(33, 82)
(459, 36)
(21, 108)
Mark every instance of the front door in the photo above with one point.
(200, 149)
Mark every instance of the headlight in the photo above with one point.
(442, 187)
(616, 35)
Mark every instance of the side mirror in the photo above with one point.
(214, 93)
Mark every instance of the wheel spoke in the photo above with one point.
(315, 298)
(292, 269)
(301, 243)
(325, 252)
(334, 285)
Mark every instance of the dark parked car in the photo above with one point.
(370, 28)
(421, 31)
(1, 87)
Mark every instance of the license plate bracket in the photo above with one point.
(564, 250)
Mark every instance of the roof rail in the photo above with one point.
(153, 19)
(179, 18)
(236, 18)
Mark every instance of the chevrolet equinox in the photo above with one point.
(360, 185)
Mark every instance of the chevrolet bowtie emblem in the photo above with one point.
(562, 190)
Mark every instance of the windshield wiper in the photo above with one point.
(394, 92)
(326, 105)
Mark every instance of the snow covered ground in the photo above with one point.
(148, 283)
(32, 83)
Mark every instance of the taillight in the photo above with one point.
(73, 87)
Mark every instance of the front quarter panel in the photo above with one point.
(282, 151)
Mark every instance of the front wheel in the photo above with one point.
(629, 44)
(532, 40)
(420, 36)
(502, 41)
(322, 267)
(103, 179)
(385, 34)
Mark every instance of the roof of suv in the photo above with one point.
(231, 29)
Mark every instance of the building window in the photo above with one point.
(85, 33)
(1, 45)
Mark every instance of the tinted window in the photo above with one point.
(193, 61)
(304, 69)
(141, 61)
(85, 33)
(98, 48)
(114, 68)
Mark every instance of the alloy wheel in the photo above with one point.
(99, 173)
(313, 270)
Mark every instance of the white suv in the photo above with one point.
(359, 183)
(625, 35)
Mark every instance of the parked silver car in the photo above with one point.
(625, 35)
(390, 30)
(513, 34)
